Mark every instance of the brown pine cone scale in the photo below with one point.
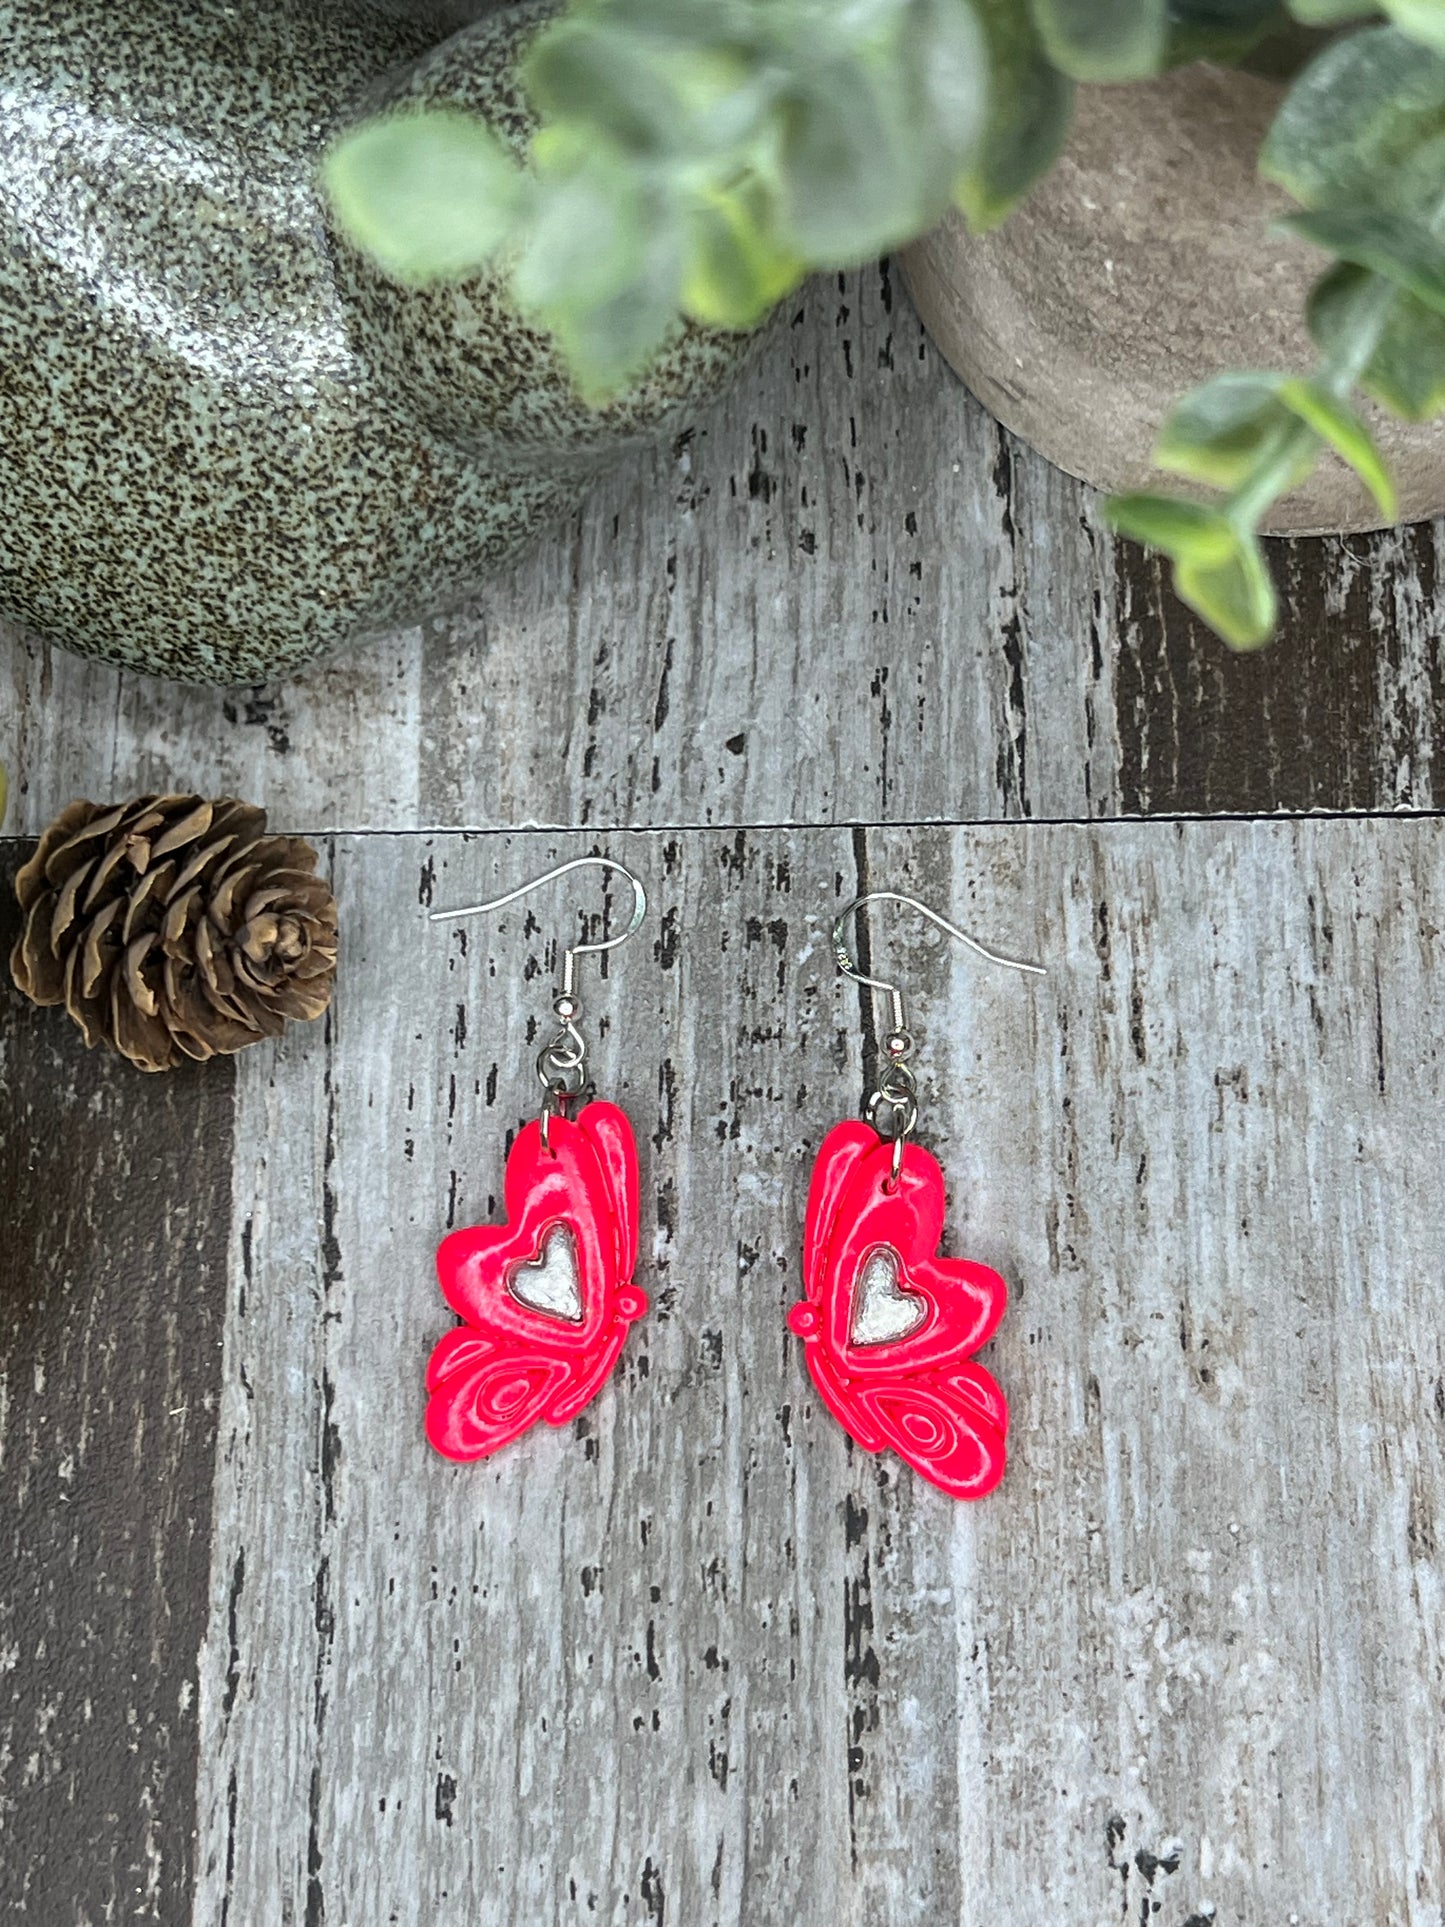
(173, 928)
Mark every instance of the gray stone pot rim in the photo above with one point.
(1115, 288)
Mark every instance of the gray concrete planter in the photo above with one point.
(1144, 264)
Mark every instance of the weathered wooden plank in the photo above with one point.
(114, 1202)
(819, 608)
(699, 1661)
(340, 746)
(1345, 710)
(1215, 1192)
(844, 596)
(259, 1787)
(491, 1636)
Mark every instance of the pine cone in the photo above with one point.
(173, 928)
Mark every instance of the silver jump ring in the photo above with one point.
(897, 1084)
(902, 1118)
(902, 1114)
(564, 1053)
(559, 1095)
(569, 1046)
(897, 1094)
(560, 1071)
(562, 1058)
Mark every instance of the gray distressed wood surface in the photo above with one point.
(841, 543)
(697, 1660)
(846, 596)
(115, 1205)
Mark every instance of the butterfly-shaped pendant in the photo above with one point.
(888, 1326)
(546, 1298)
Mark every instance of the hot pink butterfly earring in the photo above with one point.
(889, 1328)
(546, 1298)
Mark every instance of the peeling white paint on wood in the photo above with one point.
(695, 1660)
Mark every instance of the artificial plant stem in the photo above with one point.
(1345, 364)
(1274, 473)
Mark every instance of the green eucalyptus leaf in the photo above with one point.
(642, 91)
(1220, 430)
(885, 105)
(1423, 20)
(1219, 568)
(1223, 30)
(611, 337)
(949, 67)
(596, 73)
(1335, 422)
(606, 347)
(1404, 251)
(688, 25)
(1235, 596)
(1331, 13)
(589, 235)
(1363, 126)
(1030, 104)
(1407, 369)
(849, 187)
(735, 271)
(726, 101)
(1223, 431)
(1104, 39)
(1177, 527)
(431, 196)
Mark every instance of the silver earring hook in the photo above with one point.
(843, 957)
(892, 1109)
(570, 956)
(561, 1063)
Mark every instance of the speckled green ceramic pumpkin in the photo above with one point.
(227, 443)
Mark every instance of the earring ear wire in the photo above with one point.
(570, 956)
(843, 957)
(561, 1062)
(897, 1092)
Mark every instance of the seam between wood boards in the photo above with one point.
(842, 826)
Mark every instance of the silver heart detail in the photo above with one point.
(548, 1282)
(881, 1311)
